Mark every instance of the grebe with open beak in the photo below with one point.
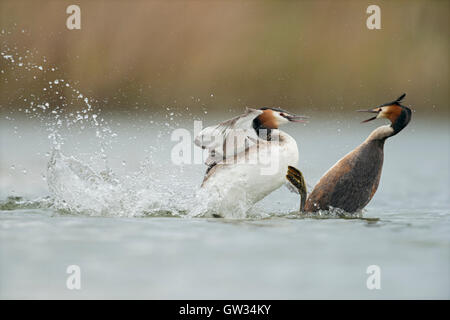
(352, 182)
(248, 159)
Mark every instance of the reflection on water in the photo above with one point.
(216, 258)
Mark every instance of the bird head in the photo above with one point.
(397, 114)
(272, 118)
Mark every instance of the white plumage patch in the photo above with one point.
(230, 137)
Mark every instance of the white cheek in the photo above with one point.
(280, 119)
(381, 115)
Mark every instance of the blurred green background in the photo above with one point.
(306, 56)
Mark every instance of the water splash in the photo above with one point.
(78, 186)
(74, 185)
(91, 187)
(15, 202)
(51, 106)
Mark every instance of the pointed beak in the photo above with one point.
(376, 110)
(296, 118)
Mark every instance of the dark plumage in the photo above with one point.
(352, 182)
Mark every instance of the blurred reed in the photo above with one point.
(315, 56)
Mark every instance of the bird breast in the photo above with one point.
(253, 174)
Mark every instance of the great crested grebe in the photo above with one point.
(248, 159)
(351, 183)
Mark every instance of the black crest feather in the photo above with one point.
(400, 98)
(396, 101)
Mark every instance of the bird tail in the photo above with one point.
(295, 177)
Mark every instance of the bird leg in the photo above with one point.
(295, 177)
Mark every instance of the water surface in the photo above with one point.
(145, 247)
